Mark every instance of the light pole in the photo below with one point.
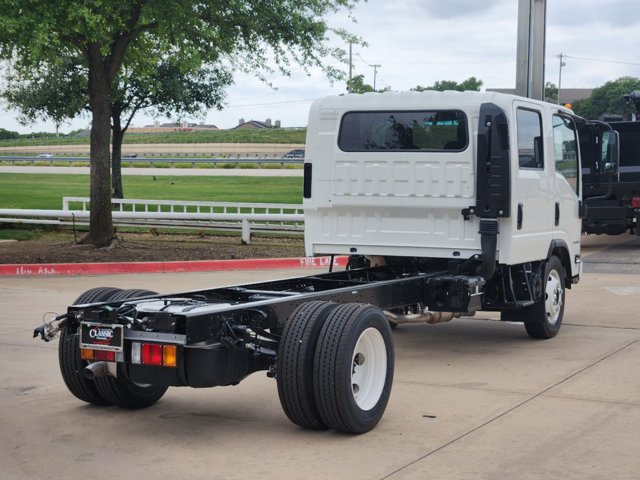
(562, 64)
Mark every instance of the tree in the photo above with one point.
(471, 83)
(608, 98)
(60, 92)
(8, 134)
(247, 34)
(356, 85)
(550, 92)
(167, 88)
(57, 91)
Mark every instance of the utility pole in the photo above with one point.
(375, 73)
(562, 64)
(531, 46)
(350, 67)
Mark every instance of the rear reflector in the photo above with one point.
(635, 202)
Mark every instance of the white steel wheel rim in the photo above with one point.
(553, 297)
(368, 368)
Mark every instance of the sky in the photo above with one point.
(419, 42)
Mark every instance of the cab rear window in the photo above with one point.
(441, 130)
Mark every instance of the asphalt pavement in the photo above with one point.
(472, 399)
(185, 172)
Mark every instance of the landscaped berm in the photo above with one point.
(60, 247)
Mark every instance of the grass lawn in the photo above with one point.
(284, 135)
(45, 191)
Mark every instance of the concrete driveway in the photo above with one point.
(472, 399)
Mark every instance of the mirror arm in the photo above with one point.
(602, 124)
(605, 196)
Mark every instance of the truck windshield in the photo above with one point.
(443, 130)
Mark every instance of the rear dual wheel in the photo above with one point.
(105, 390)
(71, 364)
(351, 370)
(295, 363)
(121, 390)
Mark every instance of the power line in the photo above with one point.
(601, 60)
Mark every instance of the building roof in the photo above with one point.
(252, 124)
(257, 124)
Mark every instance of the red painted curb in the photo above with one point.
(47, 269)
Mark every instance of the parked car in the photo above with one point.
(297, 153)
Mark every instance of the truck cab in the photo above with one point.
(612, 187)
(424, 174)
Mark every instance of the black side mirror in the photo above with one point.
(610, 152)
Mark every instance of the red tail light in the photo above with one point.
(154, 354)
(105, 356)
(97, 355)
(151, 354)
(635, 202)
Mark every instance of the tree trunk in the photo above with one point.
(101, 231)
(117, 135)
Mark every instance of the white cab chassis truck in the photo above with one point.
(446, 204)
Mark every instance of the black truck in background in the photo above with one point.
(611, 191)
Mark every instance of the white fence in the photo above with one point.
(246, 217)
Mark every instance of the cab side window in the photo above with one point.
(530, 151)
(565, 149)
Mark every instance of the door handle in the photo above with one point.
(520, 215)
(582, 210)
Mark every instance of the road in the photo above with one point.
(188, 172)
(472, 399)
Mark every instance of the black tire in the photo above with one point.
(544, 319)
(121, 391)
(71, 364)
(355, 339)
(132, 293)
(294, 364)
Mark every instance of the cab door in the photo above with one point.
(532, 192)
(567, 187)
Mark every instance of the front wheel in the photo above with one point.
(543, 319)
(354, 363)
